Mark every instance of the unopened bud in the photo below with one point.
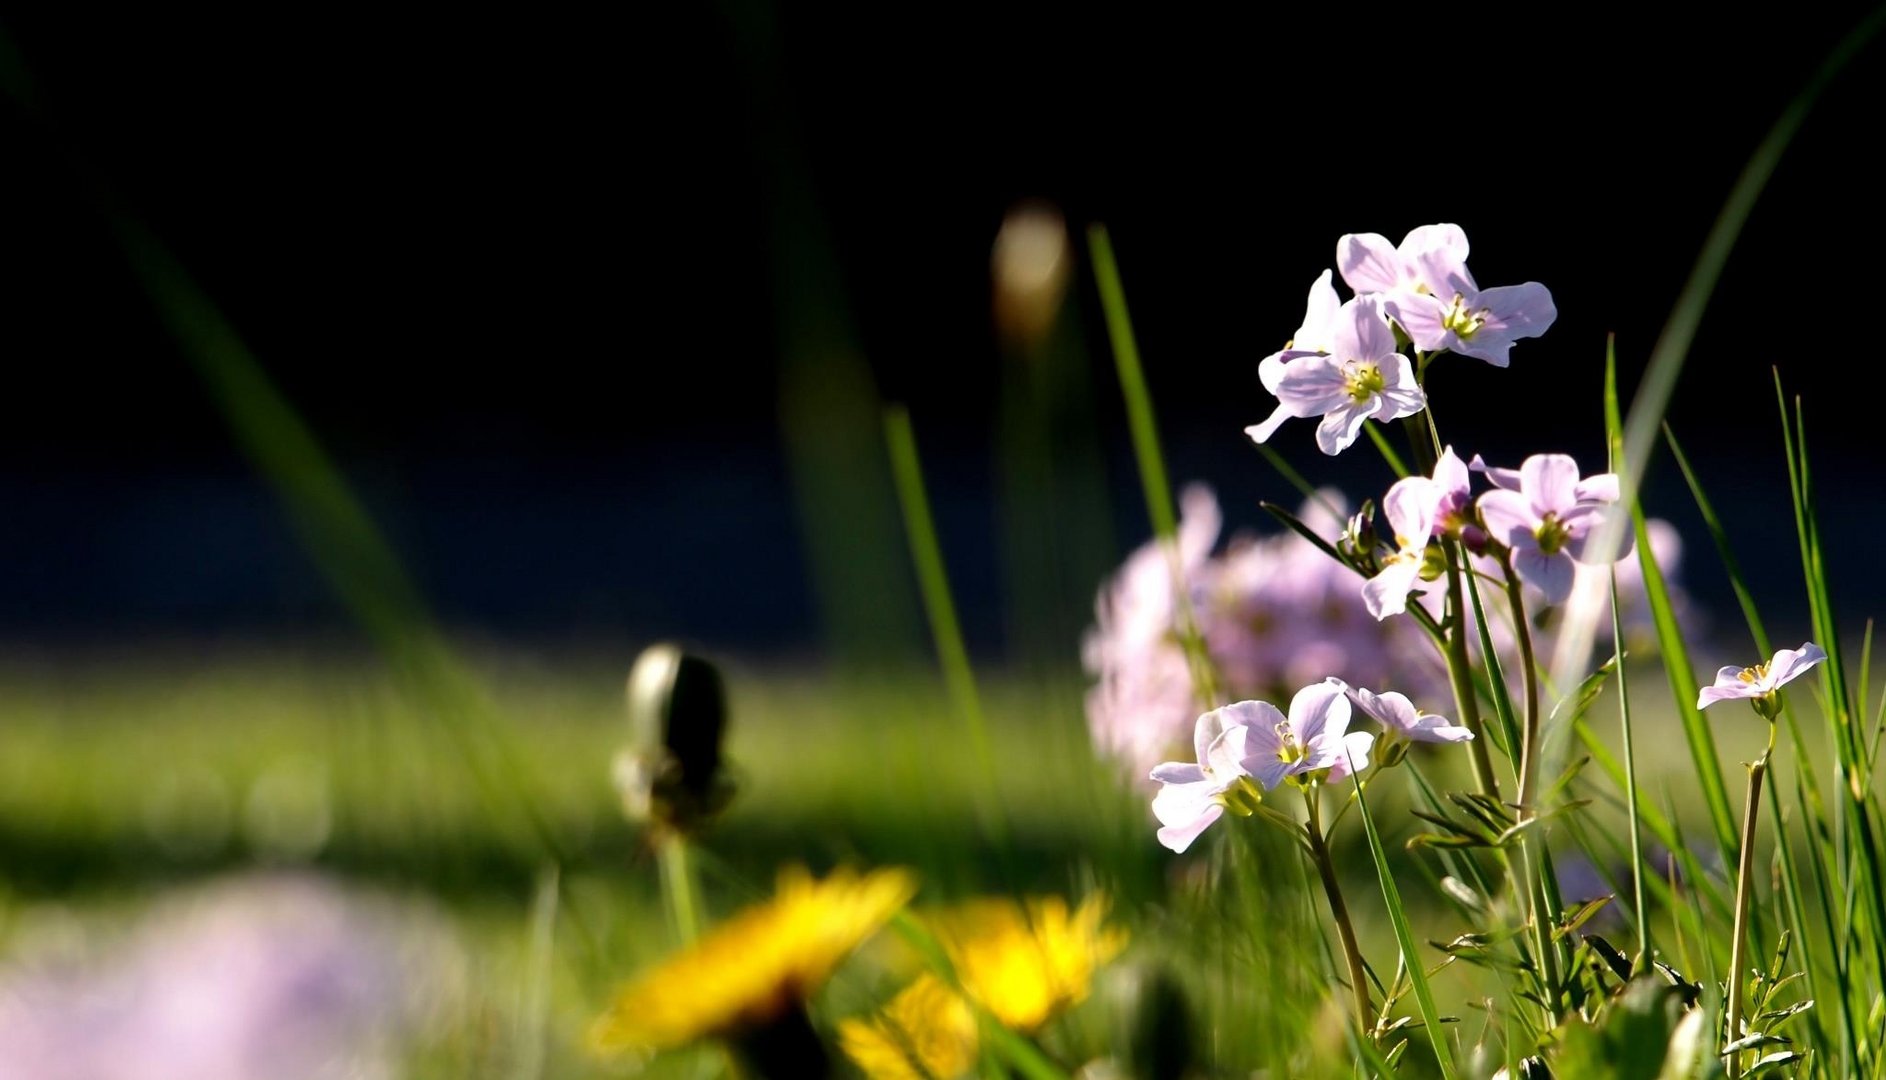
(672, 772)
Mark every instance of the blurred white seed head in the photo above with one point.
(1030, 264)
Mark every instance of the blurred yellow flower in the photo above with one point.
(757, 966)
(1025, 962)
(927, 1032)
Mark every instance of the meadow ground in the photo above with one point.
(130, 781)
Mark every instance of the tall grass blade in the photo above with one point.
(1152, 464)
(926, 556)
(1405, 939)
(1654, 390)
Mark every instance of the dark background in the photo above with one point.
(529, 280)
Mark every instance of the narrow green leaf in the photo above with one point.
(1404, 938)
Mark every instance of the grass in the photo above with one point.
(123, 776)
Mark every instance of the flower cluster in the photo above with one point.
(1250, 747)
(1275, 613)
(1344, 363)
(1541, 515)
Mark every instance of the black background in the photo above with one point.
(520, 275)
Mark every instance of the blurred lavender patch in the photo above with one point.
(284, 977)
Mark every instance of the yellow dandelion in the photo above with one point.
(927, 1032)
(756, 967)
(1025, 962)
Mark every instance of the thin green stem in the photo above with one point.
(1744, 886)
(1152, 466)
(677, 879)
(1642, 959)
(1339, 911)
(1529, 670)
(1460, 675)
(1539, 897)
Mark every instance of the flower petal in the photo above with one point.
(1178, 837)
(1450, 474)
(1352, 755)
(1552, 575)
(1369, 263)
(1340, 427)
(1387, 592)
(1318, 331)
(1509, 518)
(1709, 695)
(1391, 710)
(1313, 385)
(1225, 758)
(1261, 433)
(1319, 710)
(1602, 487)
(1364, 334)
(1551, 482)
(1499, 478)
(1518, 311)
(1789, 664)
(1409, 507)
(1178, 772)
(1422, 317)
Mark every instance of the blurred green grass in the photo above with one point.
(124, 776)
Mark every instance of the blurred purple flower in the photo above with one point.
(281, 978)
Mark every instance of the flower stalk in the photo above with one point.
(1744, 886)
(1339, 911)
(1460, 675)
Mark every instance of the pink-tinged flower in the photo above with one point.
(1316, 335)
(1430, 293)
(1453, 507)
(1315, 736)
(1410, 507)
(1545, 521)
(1464, 318)
(1193, 796)
(1762, 683)
(1362, 377)
(1427, 258)
(1396, 713)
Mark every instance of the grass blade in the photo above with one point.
(1405, 939)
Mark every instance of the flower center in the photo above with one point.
(1464, 324)
(1551, 534)
(1289, 750)
(1242, 797)
(1365, 381)
(1753, 674)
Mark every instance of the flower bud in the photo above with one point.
(672, 773)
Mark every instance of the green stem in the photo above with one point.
(1152, 466)
(1640, 912)
(1326, 870)
(1460, 675)
(677, 878)
(1744, 886)
(1539, 897)
(1522, 631)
